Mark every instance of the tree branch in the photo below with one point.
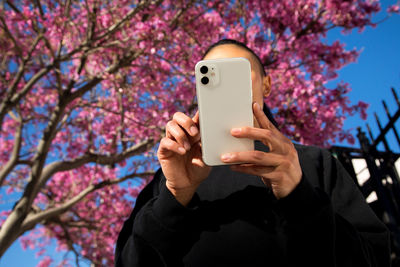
(121, 126)
(5, 106)
(12, 227)
(7, 31)
(39, 6)
(13, 7)
(33, 186)
(67, 9)
(15, 153)
(70, 243)
(60, 166)
(109, 110)
(32, 219)
(113, 28)
(21, 69)
(91, 17)
(174, 21)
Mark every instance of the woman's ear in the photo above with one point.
(267, 85)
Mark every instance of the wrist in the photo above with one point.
(182, 195)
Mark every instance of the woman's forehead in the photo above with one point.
(228, 51)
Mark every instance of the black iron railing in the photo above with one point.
(383, 177)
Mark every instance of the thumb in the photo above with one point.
(196, 121)
(196, 118)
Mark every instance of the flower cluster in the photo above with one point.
(85, 83)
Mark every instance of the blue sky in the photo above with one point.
(371, 77)
(375, 72)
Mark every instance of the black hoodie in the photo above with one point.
(235, 220)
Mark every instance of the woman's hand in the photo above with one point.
(180, 157)
(280, 168)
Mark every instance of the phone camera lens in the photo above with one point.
(204, 69)
(204, 80)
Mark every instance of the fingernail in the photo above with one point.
(258, 106)
(182, 150)
(186, 145)
(226, 156)
(236, 130)
(194, 130)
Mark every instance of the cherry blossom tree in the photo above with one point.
(86, 87)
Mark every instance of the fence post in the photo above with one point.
(385, 202)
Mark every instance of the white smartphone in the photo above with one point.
(224, 98)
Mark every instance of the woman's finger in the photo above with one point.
(196, 118)
(266, 136)
(168, 145)
(186, 123)
(175, 132)
(261, 118)
(252, 169)
(254, 157)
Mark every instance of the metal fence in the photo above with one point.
(375, 172)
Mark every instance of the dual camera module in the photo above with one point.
(204, 70)
(207, 74)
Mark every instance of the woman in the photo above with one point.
(289, 205)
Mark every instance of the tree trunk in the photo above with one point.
(11, 228)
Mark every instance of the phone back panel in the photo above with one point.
(225, 102)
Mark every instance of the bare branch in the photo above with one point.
(13, 7)
(70, 243)
(25, 162)
(132, 175)
(109, 110)
(21, 68)
(5, 106)
(32, 219)
(9, 34)
(113, 28)
(91, 17)
(175, 19)
(121, 126)
(15, 153)
(177, 70)
(67, 9)
(39, 6)
(79, 224)
(112, 69)
(50, 131)
(59, 166)
(11, 228)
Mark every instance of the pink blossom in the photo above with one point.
(393, 9)
(45, 262)
(139, 73)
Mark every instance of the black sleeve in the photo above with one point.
(159, 231)
(331, 224)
